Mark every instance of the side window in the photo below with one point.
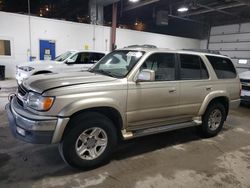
(81, 58)
(95, 57)
(163, 64)
(5, 49)
(84, 58)
(192, 68)
(223, 67)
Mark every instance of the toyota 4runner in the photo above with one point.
(131, 92)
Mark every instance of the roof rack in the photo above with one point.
(141, 46)
(204, 51)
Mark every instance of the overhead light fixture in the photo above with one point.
(242, 61)
(133, 1)
(182, 9)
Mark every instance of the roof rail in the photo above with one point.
(204, 51)
(141, 46)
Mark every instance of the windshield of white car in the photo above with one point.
(118, 63)
(63, 56)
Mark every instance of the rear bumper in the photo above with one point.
(32, 129)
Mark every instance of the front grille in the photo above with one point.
(21, 90)
(246, 88)
(21, 94)
(19, 102)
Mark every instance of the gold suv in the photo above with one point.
(129, 93)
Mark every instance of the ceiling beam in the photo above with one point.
(187, 19)
(105, 2)
(212, 10)
(216, 10)
(131, 7)
(246, 2)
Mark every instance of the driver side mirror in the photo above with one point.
(146, 75)
(70, 62)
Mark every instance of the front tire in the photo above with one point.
(213, 119)
(89, 142)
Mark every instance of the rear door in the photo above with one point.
(194, 84)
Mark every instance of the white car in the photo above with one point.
(70, 61)
(245, 82)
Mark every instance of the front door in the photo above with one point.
(155, 103)
(83, 61)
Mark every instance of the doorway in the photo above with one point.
(47, 49)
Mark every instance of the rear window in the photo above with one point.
(223, 67)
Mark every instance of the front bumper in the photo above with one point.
(34, 128)
(245, 99)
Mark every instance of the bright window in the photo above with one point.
(5, 49)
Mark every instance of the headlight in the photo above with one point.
(39, 102)
(26, 68)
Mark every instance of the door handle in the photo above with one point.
(209, 88)
(172, 90)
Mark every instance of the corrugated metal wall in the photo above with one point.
(233, 41)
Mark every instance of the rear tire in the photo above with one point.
(213, 119)
(89, 142)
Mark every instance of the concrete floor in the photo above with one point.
(174, 159)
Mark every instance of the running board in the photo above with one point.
(155, 130)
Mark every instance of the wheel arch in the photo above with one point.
(220, 97)
(110, 112)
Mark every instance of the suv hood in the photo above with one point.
(43, 82)
(41, 64)
(36, 63)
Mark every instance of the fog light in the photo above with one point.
(20, 131)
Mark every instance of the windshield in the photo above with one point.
(118, 63)
(63, 56)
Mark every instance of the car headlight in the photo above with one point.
(26, 68)
(38, 102)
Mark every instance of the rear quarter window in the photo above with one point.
(223, 67)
